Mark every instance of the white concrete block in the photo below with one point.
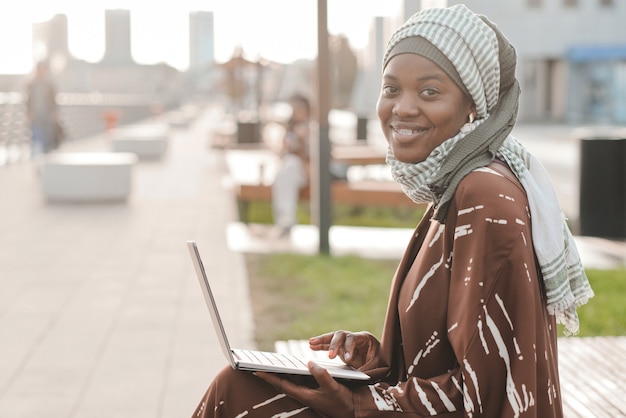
(87, 176)
(148, 141)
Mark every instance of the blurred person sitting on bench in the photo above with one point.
(293, 172)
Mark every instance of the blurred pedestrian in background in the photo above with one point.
(42, 112)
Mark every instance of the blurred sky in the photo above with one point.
(279, 30)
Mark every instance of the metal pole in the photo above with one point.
(321, 187)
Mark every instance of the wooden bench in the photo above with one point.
(359, 193)
(592, 371)
(359, 155)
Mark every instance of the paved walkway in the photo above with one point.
(100, 311)
(387, 243)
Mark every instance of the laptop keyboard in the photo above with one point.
(272, 359)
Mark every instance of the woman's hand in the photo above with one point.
(354, 348)
(330, 398)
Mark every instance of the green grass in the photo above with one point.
(605, 314)
(303, 295)
(261, 212)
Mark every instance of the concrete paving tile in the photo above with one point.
(100, 301)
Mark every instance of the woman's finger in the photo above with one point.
(349, 347)
(336, 344)
(321, 342)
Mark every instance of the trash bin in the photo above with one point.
(361, 128)
(603, 182)
(248, 132)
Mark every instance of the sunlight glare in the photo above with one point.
(279, 30)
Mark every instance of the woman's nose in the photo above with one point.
(406, 105)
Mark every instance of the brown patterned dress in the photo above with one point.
(467, 333)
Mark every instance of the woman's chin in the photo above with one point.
(407, 158)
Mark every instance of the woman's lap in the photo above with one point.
(238, 393)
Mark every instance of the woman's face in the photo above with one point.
(419, 107)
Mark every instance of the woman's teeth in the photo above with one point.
(404, 131)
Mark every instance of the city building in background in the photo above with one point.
(571, 56)
(201, 77)
(571, 63)
(201, 41)
(90, 95)
(118, 42)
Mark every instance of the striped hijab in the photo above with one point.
(484, 62)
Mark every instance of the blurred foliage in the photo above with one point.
(261, 213)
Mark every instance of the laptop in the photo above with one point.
(255, 360)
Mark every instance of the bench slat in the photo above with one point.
(361, 193)
(592, 369)
(366, 193)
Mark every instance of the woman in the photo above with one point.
(471, 323)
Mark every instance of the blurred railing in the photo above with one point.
(14, 132)
(82, 115)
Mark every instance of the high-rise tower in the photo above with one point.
(201, 40)
(117, 35)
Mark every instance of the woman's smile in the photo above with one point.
(403, 133)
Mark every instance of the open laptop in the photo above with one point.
(254, 360)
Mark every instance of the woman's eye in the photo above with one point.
(429, 92)
(389, 90)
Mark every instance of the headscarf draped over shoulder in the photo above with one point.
(481, 61)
